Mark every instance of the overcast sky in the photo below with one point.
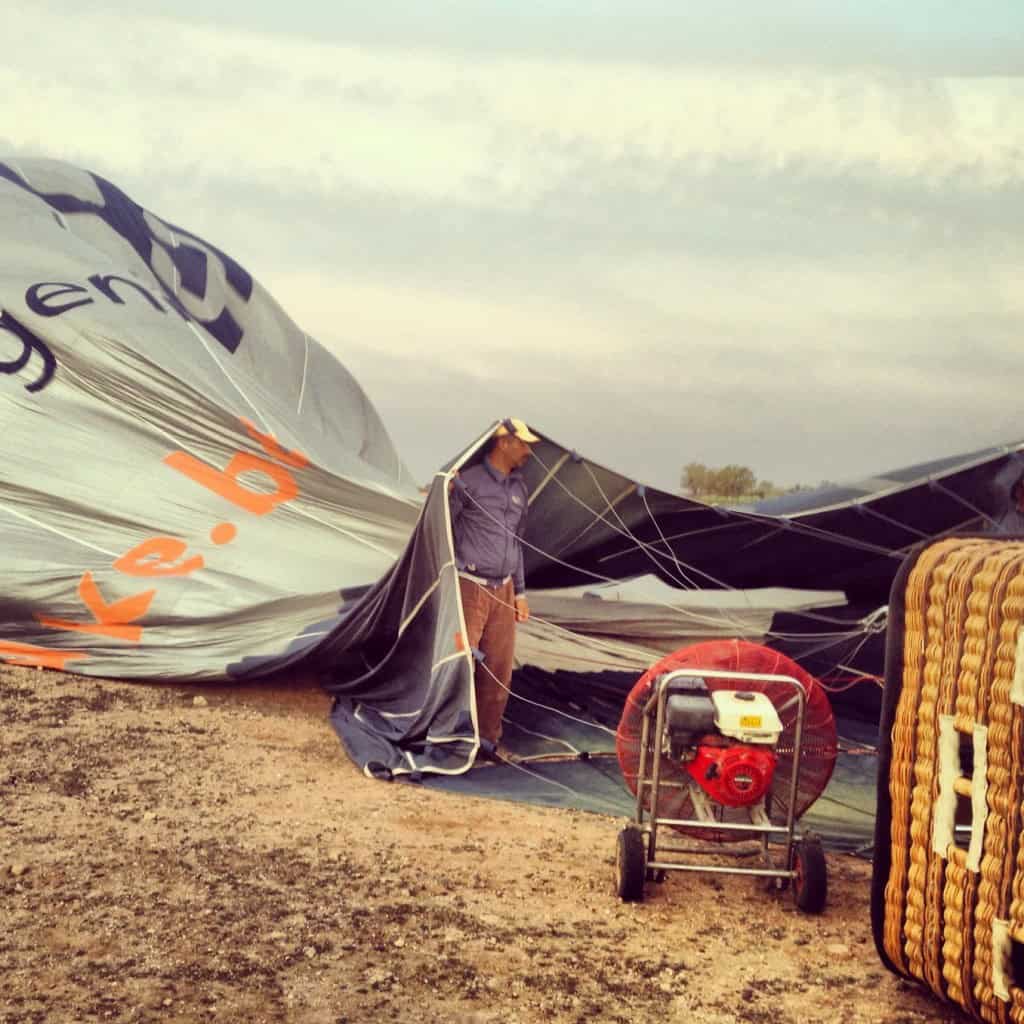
(661, 232)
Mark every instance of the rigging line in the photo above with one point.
(817, 616)
(559, 561)
(728, 617)
(690, 617)
(842, 688)
(717, 528)
(544, 736)
(726, 586)
(637, 655)
(650, 550)
(600, 519)
(846, 805)
(793, 524)
(542, 778)
(295, 509)
(853, 654)
(305, 371)
(866, 509)
(627, 664)
(820, 648)
(550, 474)
(633, 654)
(855, 744)
(59, 533)
(599, 516)
(650, 514)
(949, 531)
(939, 485)
(831, 635)
(762, 539)
(863, 675)
(590, 641)
(230, 379)
(545, 707)
(851, 542)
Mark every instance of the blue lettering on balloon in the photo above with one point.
(42, 303)
(30, 343)
(190, 256)
(102, 284)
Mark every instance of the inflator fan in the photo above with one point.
(725, 741)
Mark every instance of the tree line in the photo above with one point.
(732, 483)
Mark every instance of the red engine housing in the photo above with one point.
(734, 776)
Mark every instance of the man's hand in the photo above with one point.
(522, 608)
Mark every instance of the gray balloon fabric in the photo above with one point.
(191, 483)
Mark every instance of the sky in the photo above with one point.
(789, 236)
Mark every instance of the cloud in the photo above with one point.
(806, 264)
(920, 36)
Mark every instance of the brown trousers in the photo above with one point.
(491, 627)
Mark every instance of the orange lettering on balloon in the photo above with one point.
(156, 557)
(225, 481)
(273, 449)
(108, 619)
(43, 657)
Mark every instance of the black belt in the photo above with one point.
(485, 581)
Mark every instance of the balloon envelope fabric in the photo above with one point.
(191, 483)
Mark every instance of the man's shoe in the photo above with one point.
(497, 753)
(502, 753)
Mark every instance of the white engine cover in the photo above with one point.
(746, 716)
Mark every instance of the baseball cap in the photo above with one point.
(518, 428)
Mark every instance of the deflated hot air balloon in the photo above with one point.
(194, 488)
(191, 483)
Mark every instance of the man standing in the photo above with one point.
(488, 504)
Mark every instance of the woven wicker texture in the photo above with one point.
(963, 608)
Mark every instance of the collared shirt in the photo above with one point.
(488, 519)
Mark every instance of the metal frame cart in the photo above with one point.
(644, 855)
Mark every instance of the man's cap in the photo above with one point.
(517, 428)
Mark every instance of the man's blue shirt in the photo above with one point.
(488, 519)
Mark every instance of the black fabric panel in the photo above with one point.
(390, 699)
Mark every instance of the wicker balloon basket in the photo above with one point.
(948, 874)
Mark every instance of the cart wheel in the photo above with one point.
(631, 864)
(810, 887)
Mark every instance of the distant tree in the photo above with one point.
(695, 478)
(734, 481)
(729, 484)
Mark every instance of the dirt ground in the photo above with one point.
(182, 853)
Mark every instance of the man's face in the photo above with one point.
(518, 451)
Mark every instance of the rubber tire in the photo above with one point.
(631, 865)
(810, 887)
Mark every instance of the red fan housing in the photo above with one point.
(736, 775)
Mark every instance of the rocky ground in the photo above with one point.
(182, 854)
